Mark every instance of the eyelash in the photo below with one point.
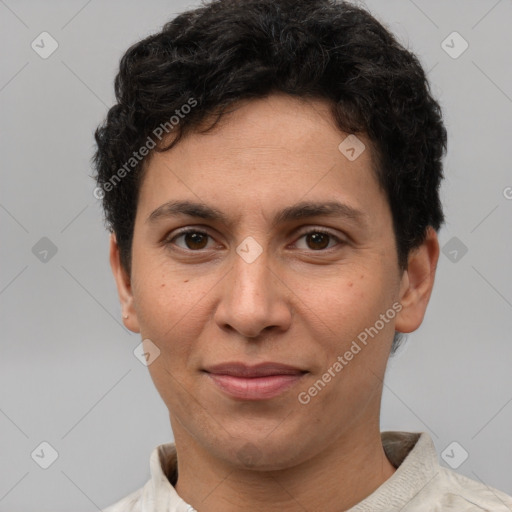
(169, 241)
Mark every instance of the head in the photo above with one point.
(299, 143)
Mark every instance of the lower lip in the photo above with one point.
(255, 388)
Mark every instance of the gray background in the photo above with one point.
(68, 375)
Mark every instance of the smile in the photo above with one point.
(260, 382)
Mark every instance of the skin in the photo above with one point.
(301, 302)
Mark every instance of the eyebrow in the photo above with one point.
(302, 210)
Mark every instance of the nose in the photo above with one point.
(254, 299)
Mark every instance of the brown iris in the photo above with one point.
(317, 240)
(195, 240)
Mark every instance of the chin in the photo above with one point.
(263, 455)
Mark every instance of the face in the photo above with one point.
(286, 260)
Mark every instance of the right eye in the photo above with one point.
(193, 240)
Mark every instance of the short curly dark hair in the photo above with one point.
(230, 50)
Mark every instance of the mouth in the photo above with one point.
(258, 382)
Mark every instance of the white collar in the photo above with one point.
(413, 453)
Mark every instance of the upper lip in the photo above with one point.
(237, 369)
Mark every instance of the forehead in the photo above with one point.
(278, 126)
(265, 152)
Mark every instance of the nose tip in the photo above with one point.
(255, 332)
(252, 301)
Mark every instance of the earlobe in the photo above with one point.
(124, 288)
(417, 283)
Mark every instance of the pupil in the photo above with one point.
(193, 240)
(317, 238)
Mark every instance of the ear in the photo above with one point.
(124, 288)
(417, 283)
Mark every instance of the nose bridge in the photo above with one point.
(251, 286)
(251, 300)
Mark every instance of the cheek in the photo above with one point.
(356, 348)
(168, 315)
(345, 302)
(348, 308)
(166, 306)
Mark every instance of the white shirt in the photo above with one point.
(419, 484)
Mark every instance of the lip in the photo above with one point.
(255, 382)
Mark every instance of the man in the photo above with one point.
(270, 174)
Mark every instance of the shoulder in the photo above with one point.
(456, 492)
(421, 484)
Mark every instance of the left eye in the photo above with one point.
(318, 240)
(315, 240)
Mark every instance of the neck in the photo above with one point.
(343, 474)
